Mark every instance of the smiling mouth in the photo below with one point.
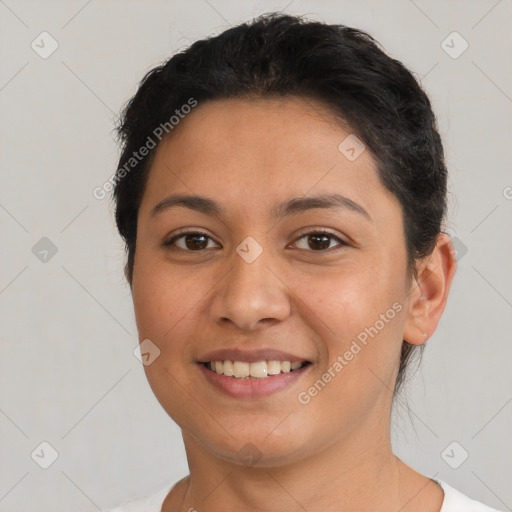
(257, 370)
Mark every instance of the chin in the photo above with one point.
(269, 445)
(258, 454)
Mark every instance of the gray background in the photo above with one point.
(67, 370)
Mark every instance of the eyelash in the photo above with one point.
(170, 243)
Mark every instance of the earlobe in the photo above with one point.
(429, 291)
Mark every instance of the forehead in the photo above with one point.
(280, 128)
(241, 149)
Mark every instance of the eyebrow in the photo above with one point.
(292, 206)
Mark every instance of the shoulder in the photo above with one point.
(151, 503)
(455, 501)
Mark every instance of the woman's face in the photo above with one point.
(260, 283)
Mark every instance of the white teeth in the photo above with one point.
(257, 370)
(274, 367)
(228, 369)
(241, 369)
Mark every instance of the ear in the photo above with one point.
(429, 290)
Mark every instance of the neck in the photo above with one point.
(348, 474)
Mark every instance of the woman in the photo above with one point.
(281, 193)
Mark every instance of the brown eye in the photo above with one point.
(320, 240)
(194, 242)
(190, 241)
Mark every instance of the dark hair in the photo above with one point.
(279, 55)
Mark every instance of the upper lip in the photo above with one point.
(250, 356)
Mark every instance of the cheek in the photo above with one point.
(169, 306)
(353, 298)
(359, 315)
(163, 299)
(165, 305)
(361, 323)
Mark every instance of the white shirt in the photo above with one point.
(454, 501)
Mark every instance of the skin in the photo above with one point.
(249, 156)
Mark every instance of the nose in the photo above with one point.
(252, 295)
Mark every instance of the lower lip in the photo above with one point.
(253, 388)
